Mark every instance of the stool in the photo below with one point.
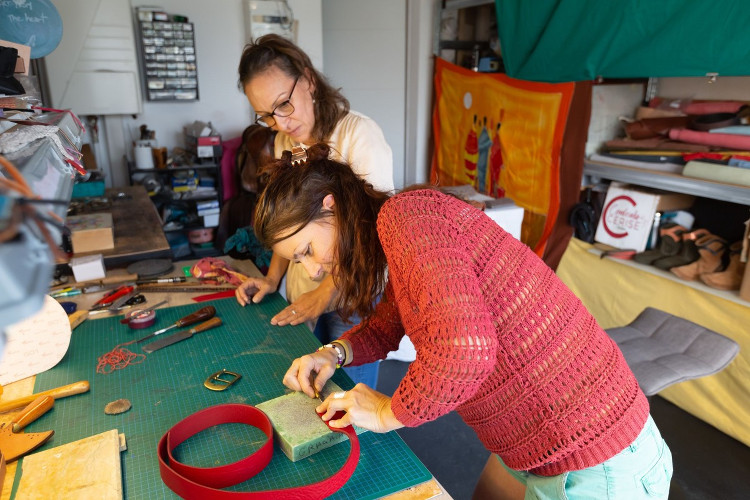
(662, 349)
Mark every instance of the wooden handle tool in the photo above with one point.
(36, 409)
(57, 393)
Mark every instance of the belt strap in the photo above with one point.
(198, 482)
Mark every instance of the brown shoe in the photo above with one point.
(688, 251)
(711, 249)
(670, 242)
(731, 277)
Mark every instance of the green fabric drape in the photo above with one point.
(574, 40)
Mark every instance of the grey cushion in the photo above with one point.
(663, 349)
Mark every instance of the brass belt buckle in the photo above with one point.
(215, 382)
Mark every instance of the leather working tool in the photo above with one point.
(13, 442)
(57, 393)
(201, 314)
(195, 482)
(312, 384)
(184, 334)
(110, 298)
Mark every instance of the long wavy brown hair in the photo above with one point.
(273, 50)
(293, 198)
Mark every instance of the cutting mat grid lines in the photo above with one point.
(168, 386)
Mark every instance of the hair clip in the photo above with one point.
(299, 155)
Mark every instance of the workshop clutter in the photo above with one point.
(185, 185)
(202, 140)
(630, 214)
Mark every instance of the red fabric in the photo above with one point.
(196, 482)
(213, 296)
(499, 338)
(726, 141)
(211, 269)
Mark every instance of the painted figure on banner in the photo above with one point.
(496, 163)
(471, 153)
(485, 142)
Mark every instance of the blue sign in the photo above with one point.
(35, 23)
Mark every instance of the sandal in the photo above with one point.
(670, 242)
(731, 277)
(711, 249)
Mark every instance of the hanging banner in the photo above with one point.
(503, 137)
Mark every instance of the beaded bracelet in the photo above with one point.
(339, 354)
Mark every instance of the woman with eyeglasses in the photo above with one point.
(289, 95)
(499, 338)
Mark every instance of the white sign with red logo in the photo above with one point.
(627, 219)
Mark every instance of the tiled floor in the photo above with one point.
(708, 464)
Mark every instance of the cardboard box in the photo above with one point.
(91, 232)
(628, 214)
(88, 268)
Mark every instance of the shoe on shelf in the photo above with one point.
(731, 277)
(670, 242)
(711, 249)
(688, 251)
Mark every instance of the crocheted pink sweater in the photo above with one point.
(499, 338)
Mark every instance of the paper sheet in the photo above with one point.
(35, 344)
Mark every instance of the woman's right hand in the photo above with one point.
(323, 363)
(254, 289)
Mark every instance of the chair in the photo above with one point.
(662, 349)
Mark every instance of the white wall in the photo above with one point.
(361, 45)
(364, 52)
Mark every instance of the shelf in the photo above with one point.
(202, 166)
(669, 182)
(732, 295)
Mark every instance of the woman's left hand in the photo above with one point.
(364, 407)
(308, 306)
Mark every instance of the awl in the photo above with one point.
(201, 314)
(185, 334)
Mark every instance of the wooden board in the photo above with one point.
(87, 468)
(137, 228)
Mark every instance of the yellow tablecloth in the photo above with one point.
(616, 293)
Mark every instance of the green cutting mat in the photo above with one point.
(168, 386)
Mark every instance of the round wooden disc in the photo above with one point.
(150, 268)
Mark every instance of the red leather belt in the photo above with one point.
(197, 482)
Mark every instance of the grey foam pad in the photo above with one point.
(662, 349)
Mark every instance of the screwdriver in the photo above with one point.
(201, 314)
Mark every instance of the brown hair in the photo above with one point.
(274, 50)
(293, 198)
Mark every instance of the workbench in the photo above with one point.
(168, 386)
(137, 228)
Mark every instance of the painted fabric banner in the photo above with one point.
(502, 136)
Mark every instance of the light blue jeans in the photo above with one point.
(643, 470)
(329, 327)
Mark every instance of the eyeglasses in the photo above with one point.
(283, 109)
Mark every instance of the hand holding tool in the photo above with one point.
(201, 314)
(13, 442)
(185, 334)
(312, 384)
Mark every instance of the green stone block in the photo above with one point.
(298, 429)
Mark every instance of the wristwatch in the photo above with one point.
(340, 357)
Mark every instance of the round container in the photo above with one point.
(140, 319)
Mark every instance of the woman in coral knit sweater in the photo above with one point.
(499, 338)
